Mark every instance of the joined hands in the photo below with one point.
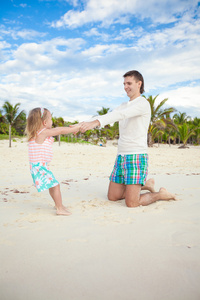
(84, 126)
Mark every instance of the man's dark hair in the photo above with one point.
(138, 77)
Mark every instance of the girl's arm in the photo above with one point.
(61, 130)
(56, 131)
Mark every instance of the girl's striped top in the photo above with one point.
(40, 152)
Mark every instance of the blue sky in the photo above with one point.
(70, 56)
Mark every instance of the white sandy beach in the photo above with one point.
(104, 250)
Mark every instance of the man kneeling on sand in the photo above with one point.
(129, 175)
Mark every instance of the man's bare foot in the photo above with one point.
(150, 183)
(63, 211)
(165, 195)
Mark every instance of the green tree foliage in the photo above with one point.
(187, 128)
(180, 128)
(185, 132)
(196, 127)
(103, 111)
(180, 118)
(13, 117)
(58, 122)
(159, 118)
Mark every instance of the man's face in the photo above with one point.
(132, 87)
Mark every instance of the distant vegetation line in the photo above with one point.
(166, 126)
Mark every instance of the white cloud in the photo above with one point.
(27, 34)
(113, 11)
(130, 34)
(23, 5)
(95, 11)
(78, 95)
(102, 51)
(48, 54)
(100, 35)
(24, 33)
(184, 98)
(92, 32)
(68, 94)
(169, 68)
(181, 34)
(76, 77)
(4, 45)
(72, 2)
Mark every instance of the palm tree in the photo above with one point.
(87, 135)
(171, 129)
(157, 133)
(103, 111)
(196, 124)
(185, 132)
(2, 119)
(113, 131)
(159, 117)
(1, 115)
(12, 116)
(180, 118)
(20, 124)
(3, 126)
(102, 132)
(58, 122)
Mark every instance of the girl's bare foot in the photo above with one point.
(63, 211)
(165, 195)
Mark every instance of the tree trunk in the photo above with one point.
(9, 135)
(150, 140)
(169, 142)
(184, 146)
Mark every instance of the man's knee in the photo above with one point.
(132, 203)
(110, 197)
(132, 198)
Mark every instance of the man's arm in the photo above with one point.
(120, 113)
(123, 112)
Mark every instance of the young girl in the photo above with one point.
(39, 130)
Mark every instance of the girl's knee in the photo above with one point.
(54, 188)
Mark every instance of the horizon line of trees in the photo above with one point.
(163, 128)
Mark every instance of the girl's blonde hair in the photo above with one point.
(34, 122)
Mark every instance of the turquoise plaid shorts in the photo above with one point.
(130, 169)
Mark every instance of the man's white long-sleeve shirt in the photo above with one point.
(134, 117)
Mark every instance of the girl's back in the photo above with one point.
(40, 152)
